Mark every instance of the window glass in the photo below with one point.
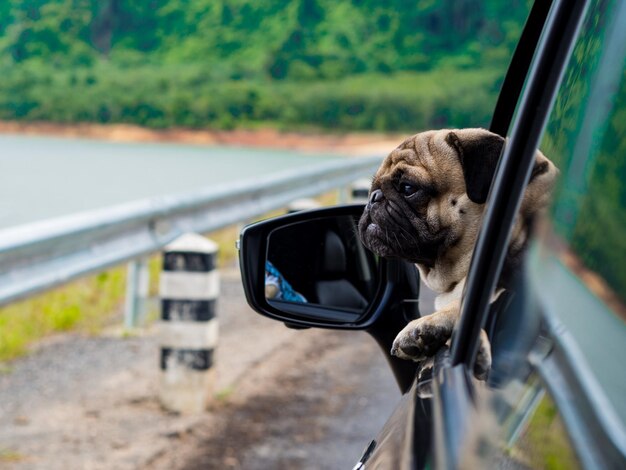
(524, 429)
(575, 259)
(578, 261)
(535, 433)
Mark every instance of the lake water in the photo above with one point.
(42, 177)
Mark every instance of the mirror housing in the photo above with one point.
(337, 282)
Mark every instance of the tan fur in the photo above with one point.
(428, 159)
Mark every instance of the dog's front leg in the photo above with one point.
(423, 337)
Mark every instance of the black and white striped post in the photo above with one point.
(189, 288)
(359, 191)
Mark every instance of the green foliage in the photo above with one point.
(590, 204)
(403, 101)
(86, 304)
(598, 235)
(544, 443)
(360, 65)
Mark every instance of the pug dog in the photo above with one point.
(426, 205)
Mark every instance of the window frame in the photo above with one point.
(513, 173)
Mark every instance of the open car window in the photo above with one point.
(559, 342)
(578, 254)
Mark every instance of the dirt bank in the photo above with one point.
(347, 143)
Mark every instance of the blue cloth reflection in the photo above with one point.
(277, 287)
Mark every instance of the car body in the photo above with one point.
(556, 394)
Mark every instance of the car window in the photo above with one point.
(574, 274)
(578, 259)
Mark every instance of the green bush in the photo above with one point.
(367, 65)
(161, 97)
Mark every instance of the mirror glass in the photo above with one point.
(320, 263)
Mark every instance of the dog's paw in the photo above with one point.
(482, 366)
(421, 338)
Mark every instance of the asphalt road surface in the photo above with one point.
(284, 399)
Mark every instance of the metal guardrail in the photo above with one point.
(583, 404)
(42, 255)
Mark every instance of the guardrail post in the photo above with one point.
(360, 190)
(189, 288)
(137, 284)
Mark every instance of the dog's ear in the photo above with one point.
(479, 151)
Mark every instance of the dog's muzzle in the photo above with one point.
(377, 228)
(387, 230)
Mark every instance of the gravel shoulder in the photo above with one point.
(283, 399)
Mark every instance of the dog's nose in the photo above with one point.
(376, 196)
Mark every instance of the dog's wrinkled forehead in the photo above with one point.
(426, 157)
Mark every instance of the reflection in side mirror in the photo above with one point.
(320, 262)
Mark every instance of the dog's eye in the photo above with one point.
(408, 189)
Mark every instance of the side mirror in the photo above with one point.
(310, 268)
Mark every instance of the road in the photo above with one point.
(45, 177)
(284, 399)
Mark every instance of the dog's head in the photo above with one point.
(427, 198)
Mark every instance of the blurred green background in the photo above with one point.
(302, 64)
